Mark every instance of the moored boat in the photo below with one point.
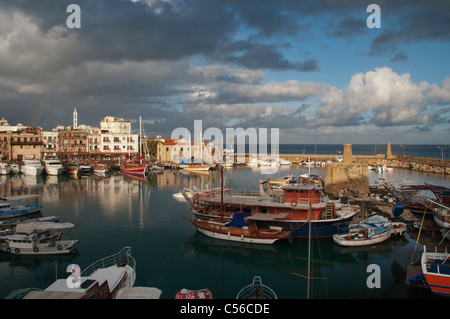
(71, 168)
(38, 238)
(133, 167)
(53, 165)
(15, 168)
(289, 210)
(101, 169)
(436, 269)
(32, 167)
(256, 290)
(84, 168)
(8, 211)
(194, 294)
(239, 229)
(5, 169)
(103, 279)
(195, 167)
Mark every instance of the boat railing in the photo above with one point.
(256, 290)
(438, 207)
(121, 258)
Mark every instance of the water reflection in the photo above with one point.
(118, 210)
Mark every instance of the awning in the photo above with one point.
(42, 226)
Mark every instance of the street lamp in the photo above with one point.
(442, 152)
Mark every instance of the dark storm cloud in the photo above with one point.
(253, 55)
(132, 58)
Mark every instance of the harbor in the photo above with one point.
(121, 210)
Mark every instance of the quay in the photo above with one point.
(432, 165)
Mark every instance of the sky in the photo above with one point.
(312, 69)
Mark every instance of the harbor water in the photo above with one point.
(117, 211)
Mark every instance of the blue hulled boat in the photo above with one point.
(8, 211)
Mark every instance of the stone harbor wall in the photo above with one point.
(346, 177)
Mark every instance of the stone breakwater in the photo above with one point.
(395, 161)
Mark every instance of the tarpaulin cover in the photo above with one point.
(238, 220)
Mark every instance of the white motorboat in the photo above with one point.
(253, 162)
(15, 169)
(284, 162)
(104, 279)
(5, 169)
(32, 167)
(38, 238)
(53, 165)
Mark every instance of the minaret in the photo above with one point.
(75, 119)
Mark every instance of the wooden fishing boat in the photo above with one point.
(239, 229)
(194, 294)
(289, 209)
(101, 169)
(195, 167)
(256, 290)
(436, 269)
(370, 231)
(133, 167)
(71, 168)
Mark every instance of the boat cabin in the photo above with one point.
(5, 205)
(302, 194)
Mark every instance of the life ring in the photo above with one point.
(197, 195)
(293, 203)
(59, 247)
(35, 249)
(17, 250)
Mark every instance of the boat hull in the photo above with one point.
(241, 239)
(134, 170)
(319, 228)
(5, 170)
(17, 212)
(342, 240)
(32, 171)
(57, 248)
(54, 170)
(435, 267)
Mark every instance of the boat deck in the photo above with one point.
(241, 200)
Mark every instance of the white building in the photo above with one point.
(51, 142)
(115, 125)
(119, 143)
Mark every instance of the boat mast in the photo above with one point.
(221, 191)
(140, 139)
(309, 234)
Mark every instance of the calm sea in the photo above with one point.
(114, 212)
(428, 151)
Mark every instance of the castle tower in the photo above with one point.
(348, 155)
(389, 151)
(75, 119)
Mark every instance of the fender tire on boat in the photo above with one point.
(35, 249)
(8, 250)
(59, 247)
(17, 250)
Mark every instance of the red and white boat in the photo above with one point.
(101, 169)
(436, 269)
(133, 167)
